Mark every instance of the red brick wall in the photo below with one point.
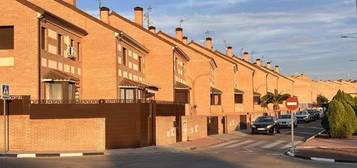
(54, 135)
(233, 123)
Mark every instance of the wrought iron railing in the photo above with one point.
(102, 101)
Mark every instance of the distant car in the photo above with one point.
(265, 124)
(314, 115)
(285, 121)
(303, 116)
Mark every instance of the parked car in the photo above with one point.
(303, 116)
(266, 124)
(314, 115)
(285, 121)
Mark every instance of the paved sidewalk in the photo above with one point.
(330, 143)
(343, 150)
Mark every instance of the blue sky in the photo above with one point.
(302, 36)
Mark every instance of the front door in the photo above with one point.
(243, 122)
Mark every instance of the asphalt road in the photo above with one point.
(252, 151)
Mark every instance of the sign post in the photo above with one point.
(292, 104)
(5, 94)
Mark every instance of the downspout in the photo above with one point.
(173, 72)
(39, 37)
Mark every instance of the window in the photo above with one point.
(130, 94)
(78, 50)
(6, 37)
(238, 98)
(124, 56)
(215, 99)
(182, 96)
(256, 100)
(43, 38)
(60, 91)
(71, 91)
(140, 63)
(53, 91)
(59, 44)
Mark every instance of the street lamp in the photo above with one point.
(354, 37)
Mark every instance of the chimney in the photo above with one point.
(268, 65)
(104, 14)
(277, 69)
(246, 56)
(72, 2)
(258, 62)
(229, 51)
(209, 43)
(152, 29)
(179, 33)
(139, 16)
(185, 39)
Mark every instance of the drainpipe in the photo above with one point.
(39, 16)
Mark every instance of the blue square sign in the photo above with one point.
(5, 91)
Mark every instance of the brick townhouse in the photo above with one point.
(200, 73)
(166, 63)
(64, 60)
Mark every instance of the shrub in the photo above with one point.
(341, 119)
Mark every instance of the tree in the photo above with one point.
(340, 120)
(321, 101)
(275, 98)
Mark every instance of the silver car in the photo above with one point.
(303, 116)
(285, 121)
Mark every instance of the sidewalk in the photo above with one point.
(339, 150)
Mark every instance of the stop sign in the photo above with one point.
(292, 103)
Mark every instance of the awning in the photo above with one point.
(58, 76)
(215, 91)
(256, 94)
(127, 83)
(237, 91)
(179, 85)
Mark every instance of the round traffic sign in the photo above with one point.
(292, 103)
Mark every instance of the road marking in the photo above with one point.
(322, 159)
(273, 144)
(224, 144)
(289, 144)
(238, 144)
(26, 155)
(70, 154)
(255, 144)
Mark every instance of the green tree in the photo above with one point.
(275, 98)
(340, 120)
(321, 101)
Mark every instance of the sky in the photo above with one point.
(302, 36)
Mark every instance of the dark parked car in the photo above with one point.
(265, 124)
(314, 115)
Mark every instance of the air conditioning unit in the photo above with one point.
(71, 53)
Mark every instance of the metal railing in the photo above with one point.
(103, 101)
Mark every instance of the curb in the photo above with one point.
(320, 159)
(38, 155)
(312, 137)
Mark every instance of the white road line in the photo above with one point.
(255, 144)
(70, 154)
(322, 159)
(289, 144)
(224, 144)
(32, 155)
(273, 144)
(239, 144)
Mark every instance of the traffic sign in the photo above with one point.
(292, 103)
(5, 91)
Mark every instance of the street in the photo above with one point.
(242, 152)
